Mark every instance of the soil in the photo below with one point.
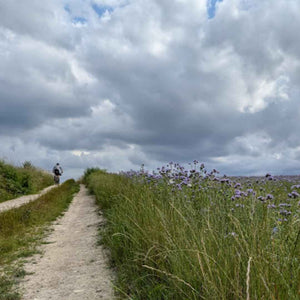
(72, 265)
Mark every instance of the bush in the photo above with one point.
(18, 181)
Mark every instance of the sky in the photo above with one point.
(119, 83)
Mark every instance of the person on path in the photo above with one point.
(57, 171)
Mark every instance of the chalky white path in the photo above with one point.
(72, 266)
(23, 200)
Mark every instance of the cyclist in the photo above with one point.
(57, 171)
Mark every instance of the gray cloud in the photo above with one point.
(151, 82)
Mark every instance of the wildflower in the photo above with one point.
(284, 212)
(295, 194)
(295, 186)
(284, 205)
(223, 180)
(269, 197)
(281, 220)
(237, 192)
(271, 206)
(230, 234)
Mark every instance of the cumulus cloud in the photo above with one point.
(120, 83)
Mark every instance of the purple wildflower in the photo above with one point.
(275, 230)
(295, 194)
(284, 212)
(284, 205)
(237, 192)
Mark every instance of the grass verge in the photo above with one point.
(199, 244)
(22, 229)
(18, 181)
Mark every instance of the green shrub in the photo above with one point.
(18, 181)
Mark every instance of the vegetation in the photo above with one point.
(22, 229)
(190, 234)
(18, 181)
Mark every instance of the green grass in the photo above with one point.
(23, 228)
(18, 181)
(194, 244)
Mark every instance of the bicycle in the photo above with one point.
(56, 179)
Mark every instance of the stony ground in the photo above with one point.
(71, 266)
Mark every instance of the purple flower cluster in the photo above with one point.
(177, 176)
(194, 180)
(293, 194)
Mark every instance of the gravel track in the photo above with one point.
(14, 203)
(72, 266)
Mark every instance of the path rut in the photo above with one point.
(72, 266)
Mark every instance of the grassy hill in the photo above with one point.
(18, 181)
(187, 234)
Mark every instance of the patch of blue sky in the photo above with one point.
(211, 8)
(67, 8)
(79, 20)
(102, 9)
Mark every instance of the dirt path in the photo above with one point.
(23, 200)
(72, 266)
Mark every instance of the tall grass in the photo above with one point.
(22, 228)
(17, 181)
(198, 244)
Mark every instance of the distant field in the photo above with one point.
(193, 234)
(18, 181)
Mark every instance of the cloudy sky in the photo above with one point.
(117, 83)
